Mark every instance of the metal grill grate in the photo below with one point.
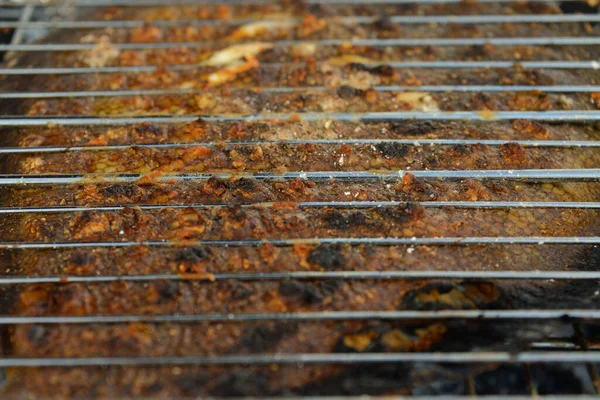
(569, 339)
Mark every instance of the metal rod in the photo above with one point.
(399, 19)
(397, 42)
(531, 382)
(337, 275)
(423, 88)
(375, 241)
(408, 142)
(521, 175)
(470, 386)
(18, 35)
(581, 116)
(23, 20)
(580, 339)
(563, 314)
(395, 64)
(311, 358)
(315, 204)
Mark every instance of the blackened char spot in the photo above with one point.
(82, 258)
(245, 183)
(245, 150)
(506, 380)
(466, 335)
(167, 290)
(358, 67)
(339, 221)
(348, 92)
(200, 123)
(147, 130)
(562, 379)
(118, 191)
(263, 337)
(461, 149)
(236, 213)
(240, 291)
(328, 287)
(410, 211)
(154, 388)
(328, 256)
(260, 127)
(589, 260)
(192, 384)
(412, 128)
(550, 379)
(193, 254)
(383, 70)
(242, 384)
(358, 380)
(385, 23)
(392, 150)
(392, 215)
(567, 295)
(301, 291)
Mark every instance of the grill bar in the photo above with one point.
(401, 19)
(312, 358)
(581, 116)
(395, 64)
(523, 175)
(470, 386)
(397, 42)
(580, 339)
(337, 275)
(316, 204)
(380, 241)
(408, 142)
(312, 316)
(26, 15)
(423, 88)
(531, 382)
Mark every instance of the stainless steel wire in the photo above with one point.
(396, 64)
(396, 42)
(400, 19)
(423, 88)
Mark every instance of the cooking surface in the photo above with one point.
(299, 198)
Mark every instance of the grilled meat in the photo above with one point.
(280, 222)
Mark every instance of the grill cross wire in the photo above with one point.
(572, 348)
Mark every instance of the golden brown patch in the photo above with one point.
(360, 341)
(513, 154)
(397, 340)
